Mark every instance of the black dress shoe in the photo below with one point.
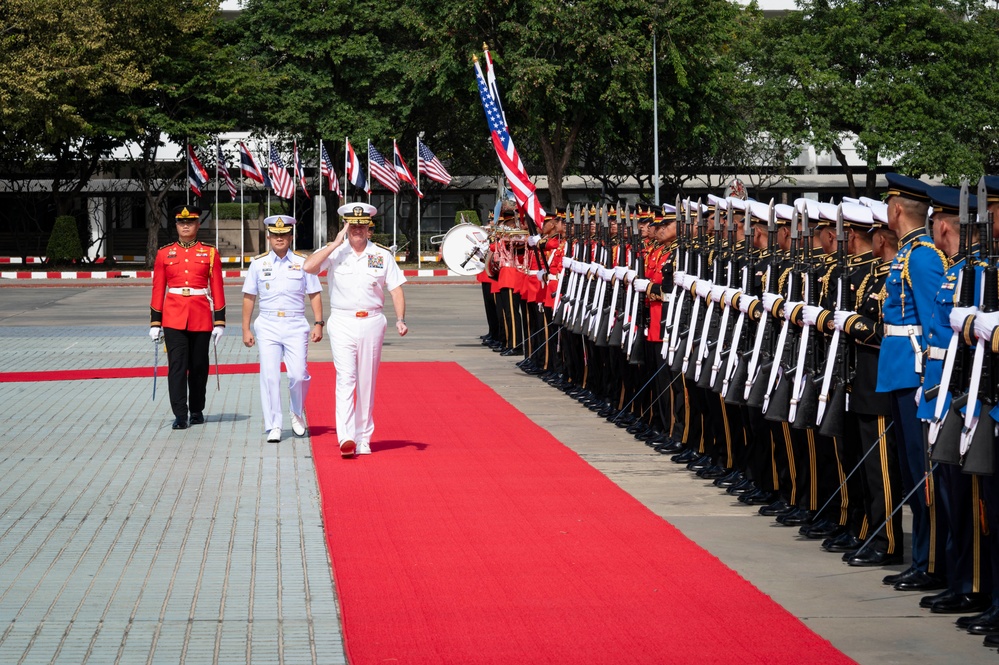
(921, 581)
(671, 447)
(986, 623)
(892, 580)
(875, 557)
(180, 423)
(606, 411)
(963, 603)
(845, 543)
(685, 457)
(712, 472)
(824, 529)
(197, 418)
(991, 641)
(744, 486)
(926, 602)
(698, 463)
(729, 479)
(758, 498)
(778, 507)
(513, 351)
(797, 517)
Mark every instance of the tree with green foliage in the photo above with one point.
(64, 243)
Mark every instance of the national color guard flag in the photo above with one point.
(513, 167)
(283, 185)
(222, 168)
(402, 171)
(428, 164)
(299, 171)
(248, 166)
(197, 176)
(326, 165)
(381, 171)
(355, 174)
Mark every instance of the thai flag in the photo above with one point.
(355, 174)
(197, 176)
(402, 171)
(248, 166)
(326, 165)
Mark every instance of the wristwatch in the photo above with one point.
(320, 323)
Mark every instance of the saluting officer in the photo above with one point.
(188, 310)
(281, 332)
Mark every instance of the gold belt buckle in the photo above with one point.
(361, 315)
(280, 314)
(186, 292)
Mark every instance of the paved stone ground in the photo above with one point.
(123, 541)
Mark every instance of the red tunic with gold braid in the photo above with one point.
(655, 257)
(196, 267)
(555, 250)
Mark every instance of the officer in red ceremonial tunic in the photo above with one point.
(188, 310)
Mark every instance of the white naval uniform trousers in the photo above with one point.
(358, 284)
(281, 330)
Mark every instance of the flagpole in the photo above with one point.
(269, 178)
(187, 160)
(242, 217)
(317, 238)
(369, 172)
(346, 180)
(218, 150)
(419, 230)
(655, 117)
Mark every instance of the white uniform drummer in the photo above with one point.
(281, 332)
(359, 273)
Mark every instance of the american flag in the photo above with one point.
(299, 171)
(197, 176)
(523, 188)
(326, 165)
(248, 166)
(428, 164)
(381, 171)
(222, 168)
(355, 174)
(282, 183)
(402, 170)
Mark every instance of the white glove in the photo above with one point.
(592, 269)
(958, 315)
(567, 263)
(717, 291)
(839, 319)
(630, 275)
(703, 289)
(620, 272)
(729, 296)
(216, 333)
(985, 324)
(541, 276)
(769, 299)
(532, 241)
(678, 276)
(155, 333)
(746, 303)
(579, 267)
(789, 310)
(810, 314)
(687, 281)
(605, 273)
(641, 285)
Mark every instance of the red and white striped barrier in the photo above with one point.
(148, 274)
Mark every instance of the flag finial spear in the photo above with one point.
(475, 58)
(485, 46)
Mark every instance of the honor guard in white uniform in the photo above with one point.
(281, 332)
(359, 274)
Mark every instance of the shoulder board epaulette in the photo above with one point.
(260, 256)
(884, 268)
(168, 244)
(207, 244)
(383, 247)
(302, 254)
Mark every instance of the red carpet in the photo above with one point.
(471, 535)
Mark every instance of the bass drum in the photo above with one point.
(464, 249)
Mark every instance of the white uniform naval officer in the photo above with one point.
(281, 332)
(359, 273)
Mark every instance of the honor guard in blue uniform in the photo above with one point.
(910, 300)
(281, 332)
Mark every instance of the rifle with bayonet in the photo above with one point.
(707, 339)
(682, 302)
(700, 253)
(804, 398)
(776, 403)
(585, 275)
(978, 433)
(638, 296)
(830, 416)
(944, 432)
(737, 366)
(604, 262)
(755, 389)
(673, 265)
(617, 309)
(565, 278)
(723, 350)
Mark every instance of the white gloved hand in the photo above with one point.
(541, 276)
(985, 324)
(839, 319)
(678, 276)
(746, 303)
(155, 333)
(687, 282)
(641, 285)
(958, 315)
(789, 310)
(620, 272)
(729, 296)
(593, 268)
(769, 299)
(605, 273)
(717, 291)
(810, 314)
(630, 275)
(532, 241)
(567, 263)
(703, 289)
(216, 333)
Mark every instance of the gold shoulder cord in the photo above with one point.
(906, 277)
(860, 291)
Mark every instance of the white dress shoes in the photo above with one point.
(297, 425)
(274, 435)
